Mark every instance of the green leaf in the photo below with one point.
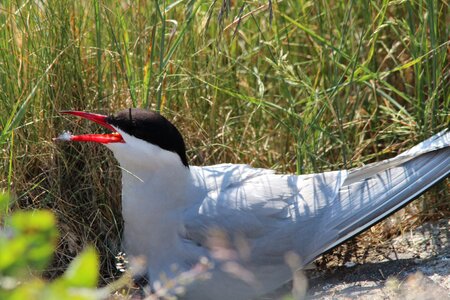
(27, 241)
(32, 289)
(83, 271)
(33, 222)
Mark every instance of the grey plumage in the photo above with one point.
(309, 214)
(375, 191)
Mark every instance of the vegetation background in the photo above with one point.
(296, 86)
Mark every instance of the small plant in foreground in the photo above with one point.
(27, 243)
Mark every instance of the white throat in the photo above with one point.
(155, 185)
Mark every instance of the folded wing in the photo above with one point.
(311, 214)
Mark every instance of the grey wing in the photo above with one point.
(311, 214)
(373, 192)
(272, 212)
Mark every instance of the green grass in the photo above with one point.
(324, 85)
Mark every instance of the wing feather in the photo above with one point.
(310, 214)
(266, 208)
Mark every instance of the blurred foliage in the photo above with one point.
(27, 243)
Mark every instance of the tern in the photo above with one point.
(172, 210)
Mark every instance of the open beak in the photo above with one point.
(113, 137)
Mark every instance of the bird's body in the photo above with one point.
(245, 220)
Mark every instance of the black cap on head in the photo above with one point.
(151, 127)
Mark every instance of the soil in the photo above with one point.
(415, 265)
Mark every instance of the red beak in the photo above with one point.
(113, 137)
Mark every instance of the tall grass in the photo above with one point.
(322, 85)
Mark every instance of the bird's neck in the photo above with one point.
(152, 203)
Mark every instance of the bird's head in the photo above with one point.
(138, 138)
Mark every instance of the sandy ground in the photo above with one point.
(415, 265)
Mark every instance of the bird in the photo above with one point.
(230, 226)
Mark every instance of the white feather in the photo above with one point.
(64, 137)
(172, 212)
